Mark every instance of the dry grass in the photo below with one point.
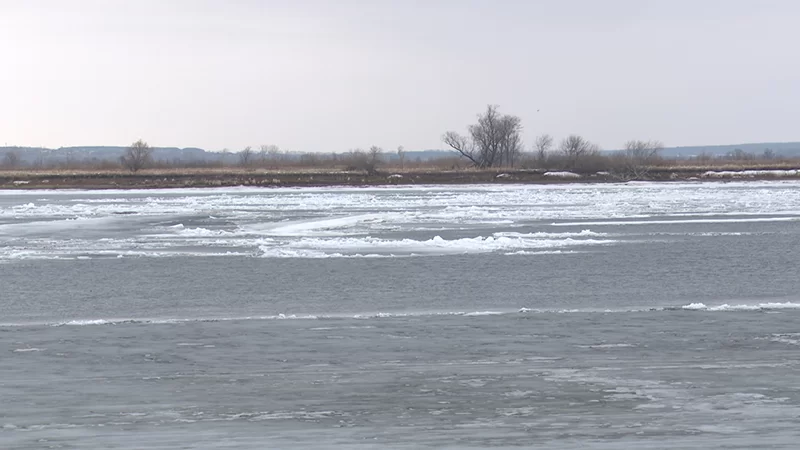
(720, 165)
(234, 171)
(325, 164)
(599, 168)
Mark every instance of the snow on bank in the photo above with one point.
(751, 173)
(562, 175)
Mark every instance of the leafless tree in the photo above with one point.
(11, 160)
(368, 161)
(543, 144)
(643, 150)
(375, 157)
(355, 159)
(137, 156)
(496, 140)
(246, 156)
(311, 159)
(740, 155)
(464, 146)
(638, 157)
(574, 148)
(511, 145)
(270, 152)
(401, 155)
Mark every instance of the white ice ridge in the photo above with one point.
(741, 307)
(314, 222)
(167, 321)
(317, 247)
(542, 235)
(305, 228)
(332, 317)
(515, 201)
(180, 230)
(678, 221)
(751, 173)
(329, 317)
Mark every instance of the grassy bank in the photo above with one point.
(216, 177)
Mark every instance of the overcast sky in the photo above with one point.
(341, 74)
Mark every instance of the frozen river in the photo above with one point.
(563, 316)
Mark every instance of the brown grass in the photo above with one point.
(444, 171)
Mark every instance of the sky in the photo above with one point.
(335, 75)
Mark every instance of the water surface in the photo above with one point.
(572, 316)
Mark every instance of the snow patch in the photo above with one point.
(561, 175)
(750, 173)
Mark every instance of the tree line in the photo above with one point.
(139, 156)
(496, 141)
(493, 142)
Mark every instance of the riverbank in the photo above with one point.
(183, 178)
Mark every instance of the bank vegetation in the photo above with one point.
(491, 150)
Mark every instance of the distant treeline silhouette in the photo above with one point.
(493, 142)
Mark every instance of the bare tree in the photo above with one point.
(511, 142)
(401, 155)
(137, 156)
(575, 148)
(543, 144)
(11, 160)
(269, 154)
(739, 155)
(464, 146)
(375, 157)
(638, 157)
(367, 161)
(496, 140)
(246, 156)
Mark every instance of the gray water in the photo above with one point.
(580, 316)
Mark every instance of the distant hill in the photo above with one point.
(97, 154)
(785, 149)
(422, 155)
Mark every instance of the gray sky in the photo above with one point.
(340, 74)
